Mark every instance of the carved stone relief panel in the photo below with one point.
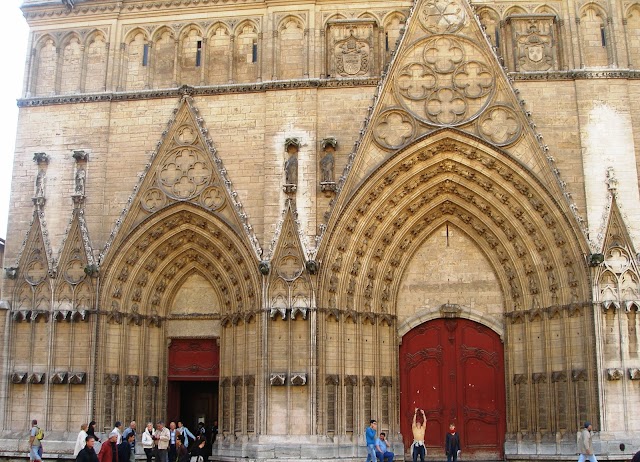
(534, 42)
(350, 46)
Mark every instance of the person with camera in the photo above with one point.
(161, 438)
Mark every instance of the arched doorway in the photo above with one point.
(454, 369)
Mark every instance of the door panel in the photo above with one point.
(454, 370)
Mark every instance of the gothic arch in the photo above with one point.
(334, 17)
(547, 9)
(514, 10)
(536, 249)
(45, 65)
(144, 267)
(95, 55)
(219, 52)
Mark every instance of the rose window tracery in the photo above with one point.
(445, 81)
(185, 173)
(442, 16)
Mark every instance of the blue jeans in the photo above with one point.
(418, 451)
(371, 453)
(34, 454)
(387, 455)
(591, 458)
(452, 457)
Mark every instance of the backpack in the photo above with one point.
(39, 434)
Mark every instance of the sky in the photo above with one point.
(13, 36)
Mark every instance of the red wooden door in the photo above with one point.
(454, 370)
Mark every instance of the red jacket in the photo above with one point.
(108, 452)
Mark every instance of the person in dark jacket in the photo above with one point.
(91, 431)
(124, 448)
(452, 444)
(88, 453)
(199, 450)
(182, 453)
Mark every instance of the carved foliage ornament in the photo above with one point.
(442, 16)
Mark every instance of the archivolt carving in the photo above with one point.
(511, 219)
(165, 249)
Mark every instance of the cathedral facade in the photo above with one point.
(294, 217)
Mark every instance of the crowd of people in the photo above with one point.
(175, 443)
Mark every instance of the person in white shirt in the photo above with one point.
(147, 441)
(81, 441)
(118, 429)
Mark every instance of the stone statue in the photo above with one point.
(40, 182)
(291, 168)
(327, 164)
(292, 146)
(80, 177)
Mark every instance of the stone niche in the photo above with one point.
(350, 48)
(534, 42)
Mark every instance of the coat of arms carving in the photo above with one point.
(352, 56)
(534, 42)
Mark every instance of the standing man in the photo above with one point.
(34, 442)
(118, 429)
(88, 453)
(381, 448)
(161, 436)
(184, 431)
(131, 429)
(173, 434)
(585, 444)
(370, 436)
(418, 429)
(109, 450)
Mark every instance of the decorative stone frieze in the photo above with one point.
(112, 379)
(298, 379)
(277, 379)
(538, 377)
(558, 376)
(615, 374)
(578, 375)
(519, 379)
(332, 379)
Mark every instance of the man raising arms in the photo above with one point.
(418, 429)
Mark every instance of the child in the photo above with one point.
(452, 444)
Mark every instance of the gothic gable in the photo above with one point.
(184, 168)
(445, 75)
(289, 282)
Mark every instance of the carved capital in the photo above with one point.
(298, 379)
(332, 379)
(111, 379)
(80, 155)
(11, 272)
(578, 375)
(77, 378)
(634, 373)
(559, 376)
(329, 142)
(40, 158)
(539, 377)
(58, 378)
(131, 380)
(151, 380)
(519, 379)
(614, 374)
(19, 377)
(277, 379)
(37, 378)
(351, 380)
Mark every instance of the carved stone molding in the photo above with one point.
(558, 376)
(36, 378)
(132, 380)
(615, 374)
(579, 375)
(277, 379)
(77, 378)
(332, 379)
(298, 379)
(59, 378)
(386, 381)
(369, 380)
(538, 377)
(19, 377)
(351, 380)
(634, 373)
(519, 379)
(111, 379)
(152, 381)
